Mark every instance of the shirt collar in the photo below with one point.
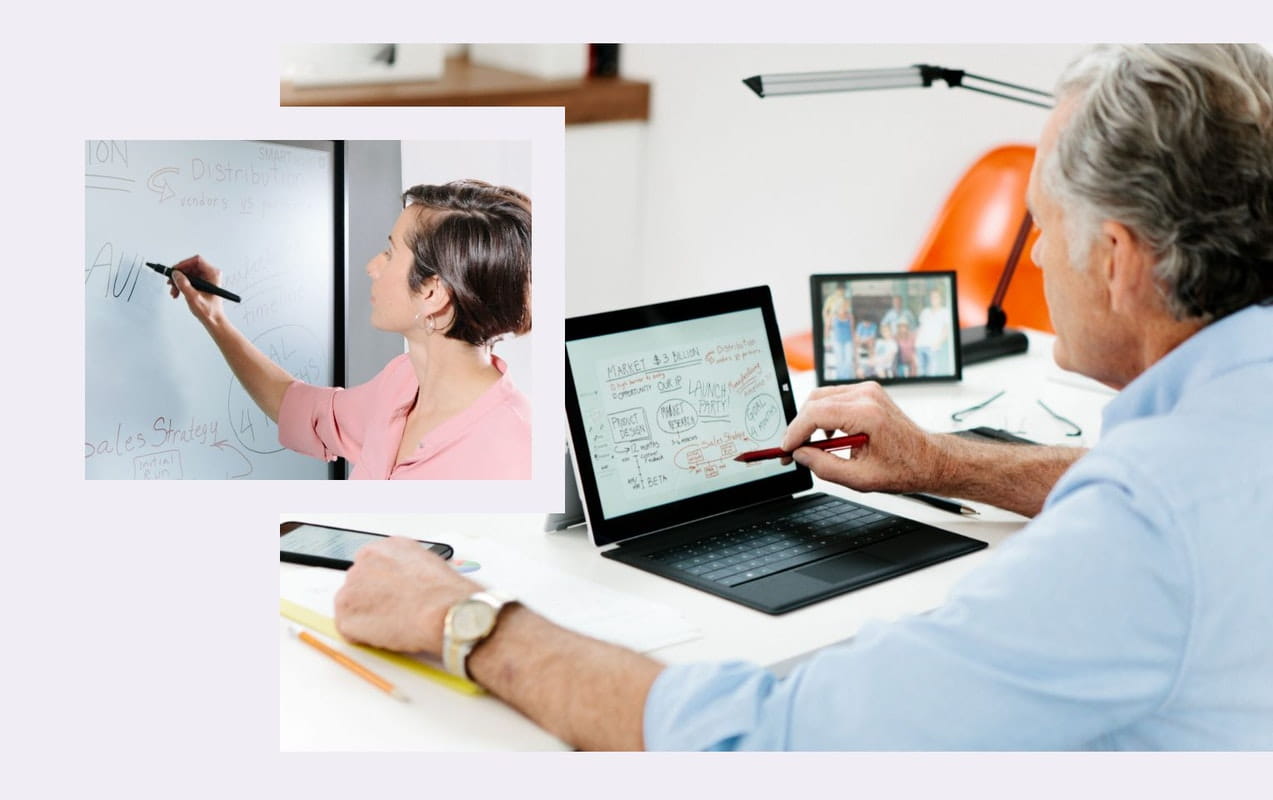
(1244, 337)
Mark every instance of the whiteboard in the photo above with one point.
(160, 401)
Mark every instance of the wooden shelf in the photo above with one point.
(468, 84)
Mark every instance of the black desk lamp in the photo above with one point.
(976, 343)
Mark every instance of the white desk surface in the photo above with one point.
(324, 707)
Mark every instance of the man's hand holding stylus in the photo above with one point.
(206, 307)
(900, 457)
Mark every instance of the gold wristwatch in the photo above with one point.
(467, 624)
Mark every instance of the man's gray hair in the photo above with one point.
(1176, 143)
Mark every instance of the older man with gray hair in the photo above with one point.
(1135, 611)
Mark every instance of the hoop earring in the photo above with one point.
(429, 325)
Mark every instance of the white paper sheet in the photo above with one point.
(579, 605)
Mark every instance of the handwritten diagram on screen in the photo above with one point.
(160, 401)
(667, 408)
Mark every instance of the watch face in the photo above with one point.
(472, 619)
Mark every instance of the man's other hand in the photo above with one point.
(396, 596)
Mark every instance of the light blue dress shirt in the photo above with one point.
(1135, 612)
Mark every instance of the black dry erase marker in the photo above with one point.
(198, 283)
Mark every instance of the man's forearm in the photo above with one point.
(1011, 476)
(588, 693)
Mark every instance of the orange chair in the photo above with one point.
(973, 235)
(798, 348)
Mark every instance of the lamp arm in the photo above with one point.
(1025, 100)
(1016, 86)
(957, 77)
(919, 75)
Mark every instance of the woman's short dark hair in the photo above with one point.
(477, 242)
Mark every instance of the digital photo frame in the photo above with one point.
(890, 327)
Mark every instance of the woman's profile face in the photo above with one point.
(393, 305)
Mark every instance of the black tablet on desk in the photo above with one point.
(660, 401)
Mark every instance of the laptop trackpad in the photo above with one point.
(850, 566)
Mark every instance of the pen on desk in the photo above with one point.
(942, 503)
(196, 282)
(348, 663)
(837, 443)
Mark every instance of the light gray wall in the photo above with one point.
(373, 172)
(605, 209)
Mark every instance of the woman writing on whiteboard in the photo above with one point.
(453, 278)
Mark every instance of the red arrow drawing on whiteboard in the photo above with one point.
(224, 445)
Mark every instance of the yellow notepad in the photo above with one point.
(324, 625)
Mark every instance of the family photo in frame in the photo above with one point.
(888, 327)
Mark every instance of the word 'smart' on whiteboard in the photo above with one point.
(160, 401)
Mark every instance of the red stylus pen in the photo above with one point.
(836, 443)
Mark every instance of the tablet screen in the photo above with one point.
(665, 405)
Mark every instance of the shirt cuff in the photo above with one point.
(302, 410)
(712, 707)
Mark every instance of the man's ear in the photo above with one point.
(1127, 266)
